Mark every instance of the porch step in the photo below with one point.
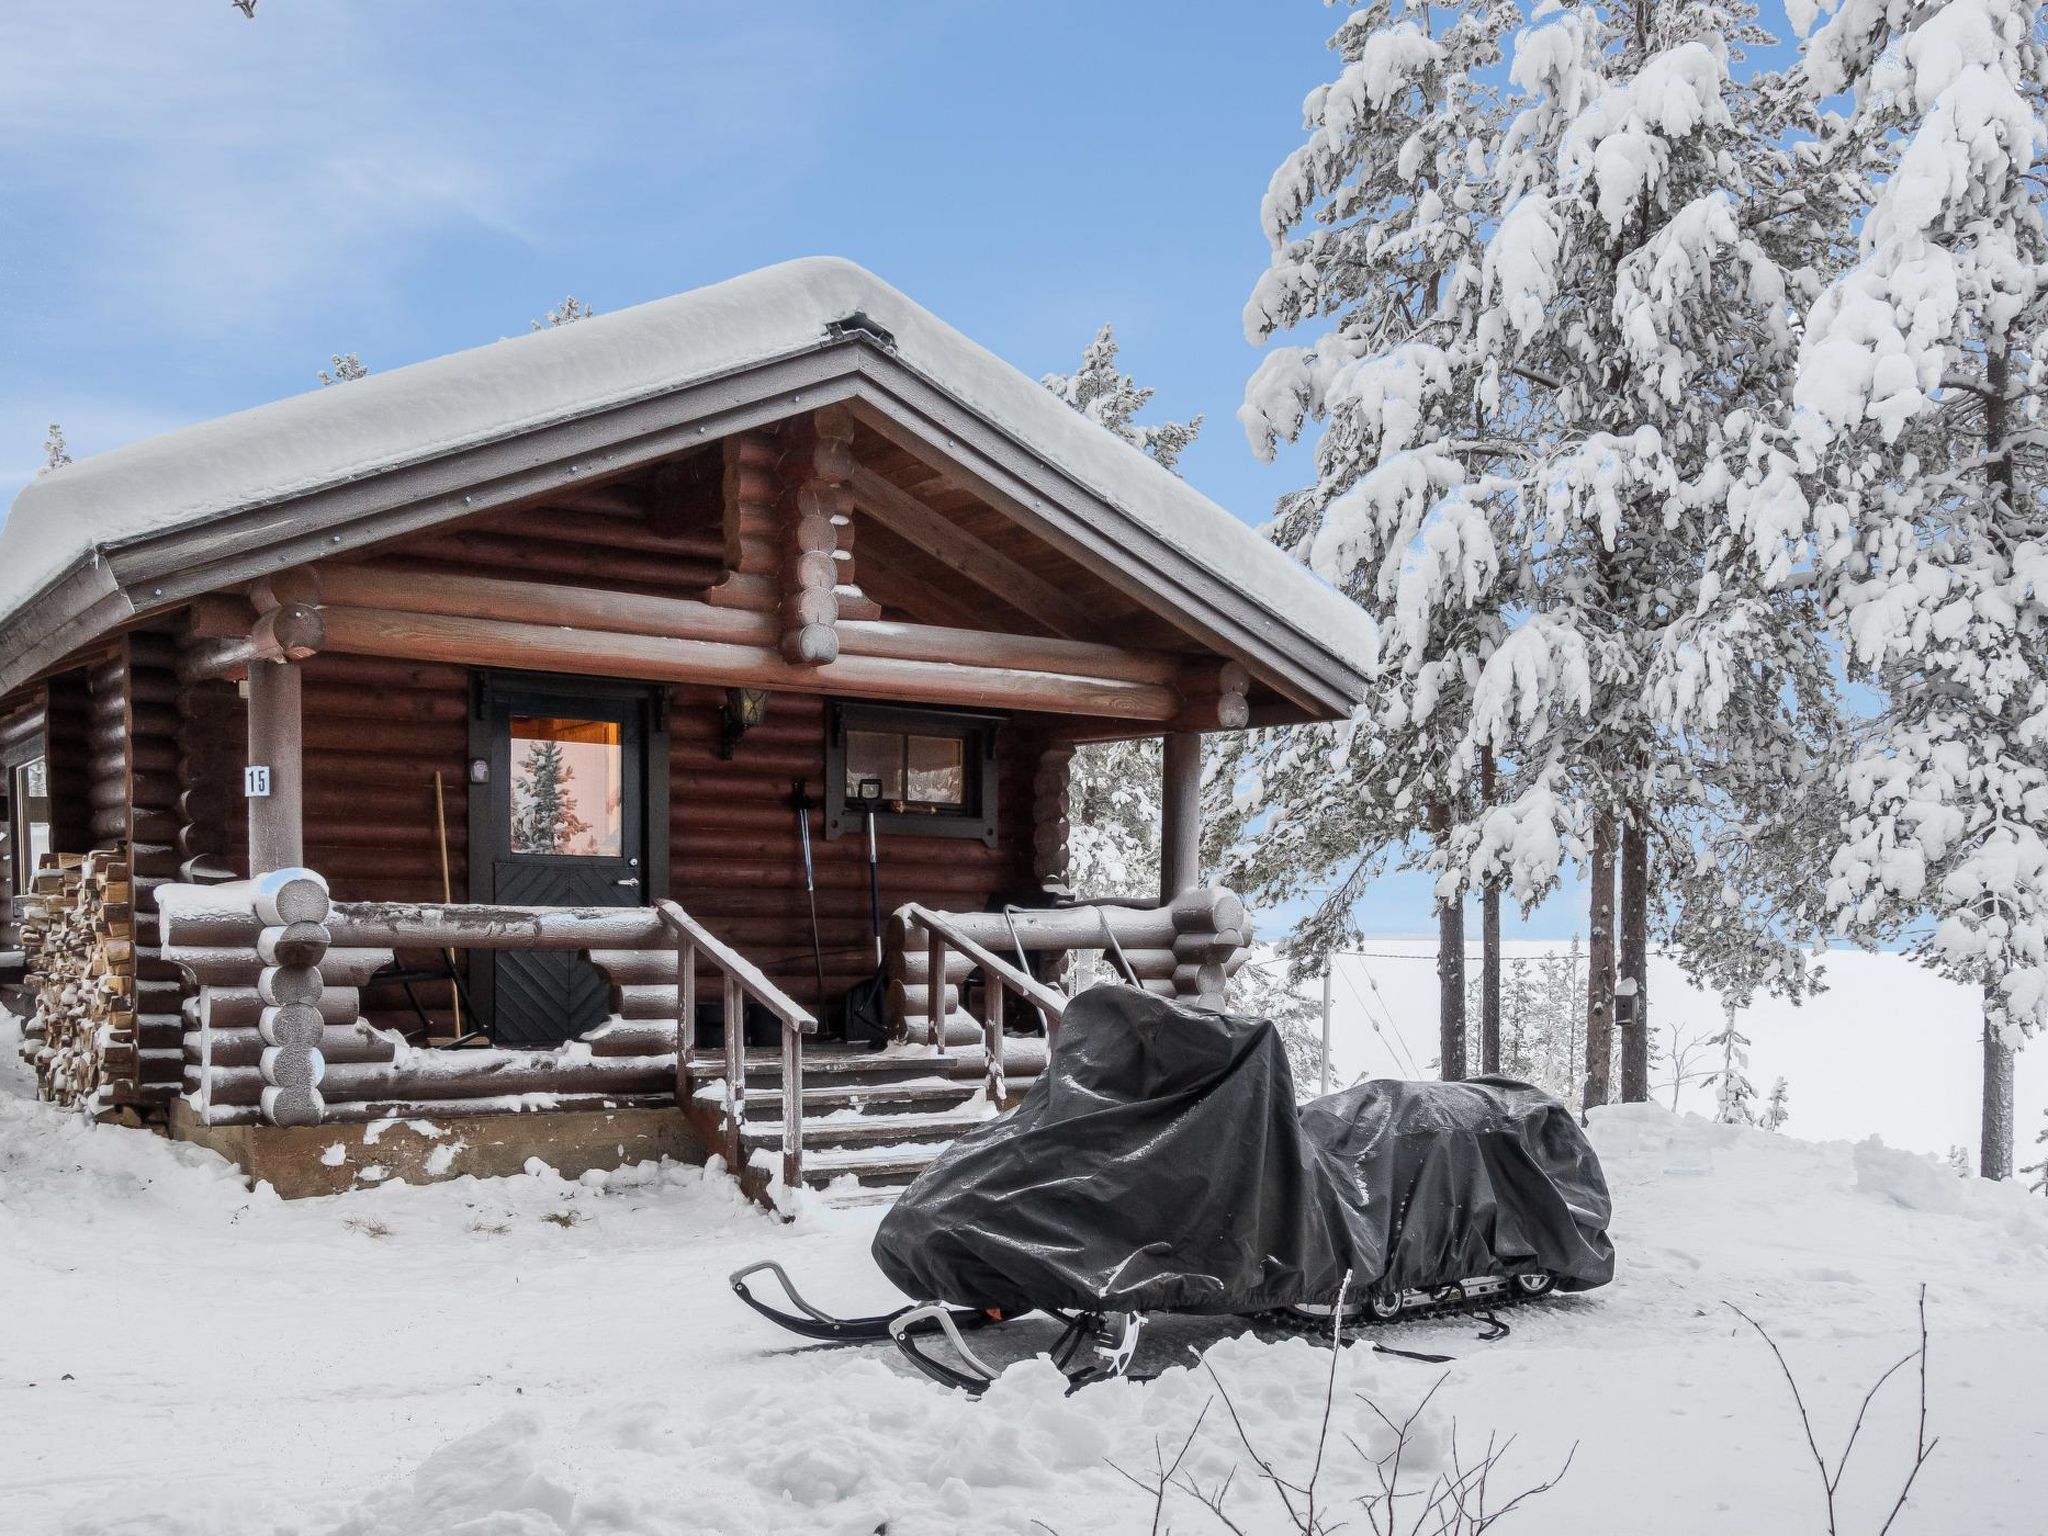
(866, 1194)
(927, 1132)
(876, 1167)
(869, 1098)
(764, 1068)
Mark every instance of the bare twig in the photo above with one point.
(1922, 1446)
(1830, 1482)
(1164, 1473)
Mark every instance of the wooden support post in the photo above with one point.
(736, 1077)
(935, 1001)
(1180, 839)
(686, 1017)
(792, 1109)
(992, 1042)
(276, 820)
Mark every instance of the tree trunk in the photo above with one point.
(1994, 1150)
(1600, 964)
(1631, 990)
(1489, 945)
(1450, 966)
(1994, 1154)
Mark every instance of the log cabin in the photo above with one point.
(644, 737)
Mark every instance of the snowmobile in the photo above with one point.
(1160, 1164)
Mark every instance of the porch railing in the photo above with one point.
(741, 979)
(942, 931)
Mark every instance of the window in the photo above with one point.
(568, 786)
(29, 789)
(918, 770)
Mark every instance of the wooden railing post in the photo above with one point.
(686, 1015)
(792, 1108)
(735, 1075)
(935, 986)
(992, 1039)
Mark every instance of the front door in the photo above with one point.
(565, 765)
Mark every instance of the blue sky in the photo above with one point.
(196, 210)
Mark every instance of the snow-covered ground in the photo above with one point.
(1888, 1049)
(528, 1357)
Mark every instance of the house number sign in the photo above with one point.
(256, 783)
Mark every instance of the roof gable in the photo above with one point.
(147, 524)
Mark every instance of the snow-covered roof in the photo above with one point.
(331, 437)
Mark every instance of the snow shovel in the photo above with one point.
(802, 802)
(867, 1005)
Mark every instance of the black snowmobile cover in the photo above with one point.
(1483, 1177)
(1160, 1164)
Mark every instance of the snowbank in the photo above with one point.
(538, 1357)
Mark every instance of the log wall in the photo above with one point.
(148, 722)
(737, 866)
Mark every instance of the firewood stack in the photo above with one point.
(78, 933)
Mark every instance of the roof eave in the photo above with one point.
(160, 571)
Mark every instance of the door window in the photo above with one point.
(567, 787)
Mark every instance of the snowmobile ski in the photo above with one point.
(812, 1323)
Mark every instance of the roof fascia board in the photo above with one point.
(922, 418)
(179, 565)
(75, 610)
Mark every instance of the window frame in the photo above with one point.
(976, 732)
(16, 766)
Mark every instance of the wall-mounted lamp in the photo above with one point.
(743, 710)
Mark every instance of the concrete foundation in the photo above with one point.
(329, 1159)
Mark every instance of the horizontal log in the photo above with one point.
(484, 642)
(378, 702)
(373, 674)
(1209, 911)
(338, 734)
(343, 1043)
(239, 1007)
(470, 1074)
(225, 923)
(406, 925)
(511, 553)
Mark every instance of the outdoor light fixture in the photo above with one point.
(743, 710)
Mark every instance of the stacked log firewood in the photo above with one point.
(78, 934)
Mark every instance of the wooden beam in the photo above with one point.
(960, 551)
(484, 597)
(493, 642)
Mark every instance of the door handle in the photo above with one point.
(632, 880)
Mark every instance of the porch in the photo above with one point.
(289, 1074)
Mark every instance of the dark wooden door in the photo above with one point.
(565, 824)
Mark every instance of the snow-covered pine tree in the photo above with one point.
(544, 815)
(344, 368)
(1959, 1161)
(1111, 398)
(55, 453)
(1734, 1098)
(1636, 308)
(568, 312)
(1909, 494)
(1777, 1108)
(1114, 787)
(1376, 225)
